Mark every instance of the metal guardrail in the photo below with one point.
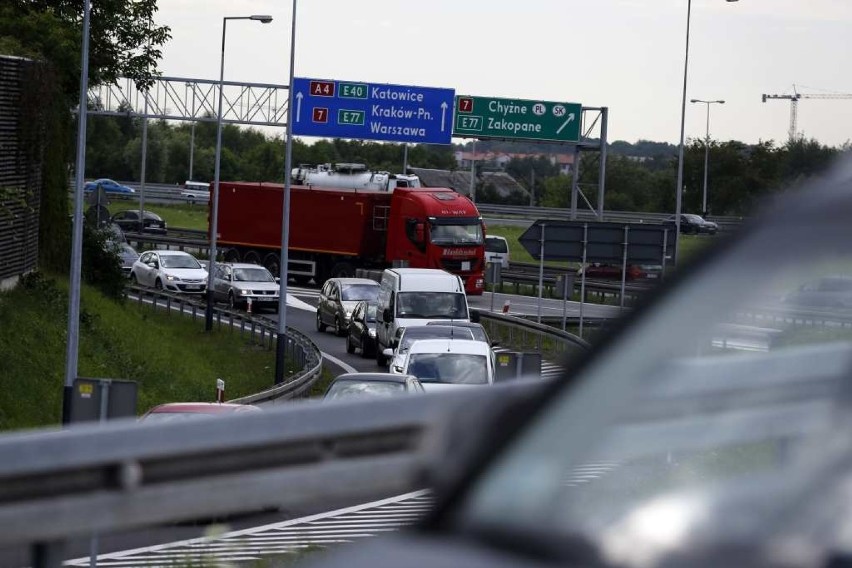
(300, 349)
(521, 334)
(120, 475)
(725, 222)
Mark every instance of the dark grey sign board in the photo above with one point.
(604, 242)
(88, 404)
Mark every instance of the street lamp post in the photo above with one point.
(706, 150)
(679, 186)
(281, 342)
(214, 221)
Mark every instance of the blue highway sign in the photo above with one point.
(393, 113)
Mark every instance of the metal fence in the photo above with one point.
(523, 335)
(20, 170)
(300, 350)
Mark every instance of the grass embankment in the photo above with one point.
(169, 355)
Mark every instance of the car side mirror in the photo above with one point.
(386, 314)
(388, 352)
(152, 264)
(474, 316)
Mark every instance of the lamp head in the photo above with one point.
(263, 19)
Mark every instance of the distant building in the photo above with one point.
(498, 160)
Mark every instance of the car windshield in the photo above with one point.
(347, 389)
(720, 415)
(178, 261)
(413, 334)
(253, 275)
(469, 234)
(431, 305)
(495, 245)
(449, 368)
(355, 292)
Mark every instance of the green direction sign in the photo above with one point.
(484, 117)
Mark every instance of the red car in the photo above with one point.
(183, 410)
(613, 272)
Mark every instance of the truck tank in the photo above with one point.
(351, 176)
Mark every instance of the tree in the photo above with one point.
(123, 41)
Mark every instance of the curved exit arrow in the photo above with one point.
(566, 123)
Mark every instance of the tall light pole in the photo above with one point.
(214, 221)
(706, 149)
(679, 186)
(281, 342)
(71, 351)
(192, 131)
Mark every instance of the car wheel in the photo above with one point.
(320, 326)
(339, 330)
(364, 352)
(158, 284)
(133, 280)
(232, 303)
(350, 348)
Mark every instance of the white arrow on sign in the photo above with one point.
(566, 123)
(298, 106)
(443, 114)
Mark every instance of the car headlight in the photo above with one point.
(372, 333)
(171, 277)
(245, 292)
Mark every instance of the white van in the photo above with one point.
(196, 191)
(497, 250)
(416, 296)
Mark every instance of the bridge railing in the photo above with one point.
(121, 475)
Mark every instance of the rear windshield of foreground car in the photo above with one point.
(449, 368)
(352, 292)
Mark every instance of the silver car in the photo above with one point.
(237, 284)
(338, 298)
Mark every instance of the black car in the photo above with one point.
(128, 220)
(362, 329)
(691, 224)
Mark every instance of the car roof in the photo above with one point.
(455, 323)
(202, 407)
(468, 346)
(354, 281)
(171, 253)
(241, 265)
(428, 330)
(373, 377)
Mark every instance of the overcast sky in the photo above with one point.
(623, 54)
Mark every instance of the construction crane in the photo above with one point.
(794, 104)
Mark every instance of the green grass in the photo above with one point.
(170, 356)
(182, 216)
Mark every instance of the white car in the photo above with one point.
(441, 364)
(171, 270)
(408, 335)
(237, 283)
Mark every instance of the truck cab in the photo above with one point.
(437, 228)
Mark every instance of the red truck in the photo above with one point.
(335, 231)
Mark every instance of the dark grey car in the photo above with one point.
(362, 329)
(339, 297)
